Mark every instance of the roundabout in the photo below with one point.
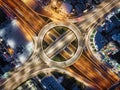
(66, 39)
(63, 41)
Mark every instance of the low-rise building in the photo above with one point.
(51, 83)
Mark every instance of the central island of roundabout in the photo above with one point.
(60, 44)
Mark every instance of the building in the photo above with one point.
(29, 85)
(112, 51)
(51, 83)
(2, 16)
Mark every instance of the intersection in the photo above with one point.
(99, 76)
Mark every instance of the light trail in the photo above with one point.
(26, 14)
(83, 64)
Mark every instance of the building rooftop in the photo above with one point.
(51, 83)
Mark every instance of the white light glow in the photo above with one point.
(11, 43)
(14, 22)
(30, 46)
(22, 58)
(2, 32)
